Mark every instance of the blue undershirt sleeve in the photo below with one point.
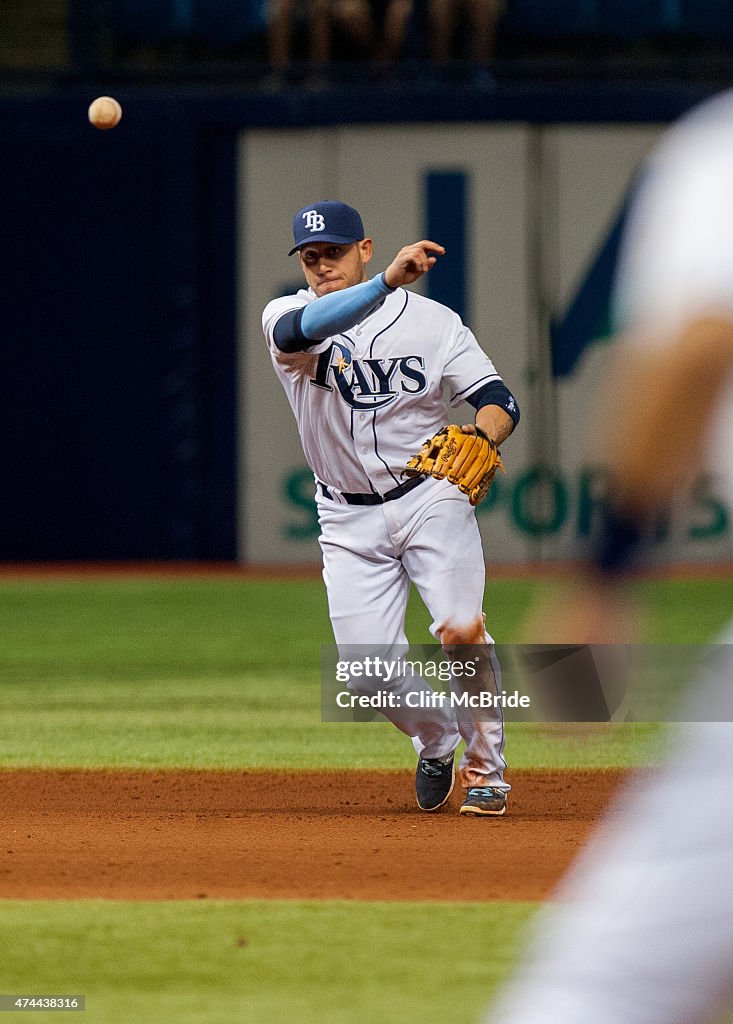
(300, 328)
(340, 310)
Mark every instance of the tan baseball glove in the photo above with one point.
(468, 460)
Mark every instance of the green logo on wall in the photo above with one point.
(540, 502)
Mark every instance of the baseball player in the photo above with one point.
(364, 364)
(645, 932)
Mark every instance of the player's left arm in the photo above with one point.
(497, 411)
(470, 462)
(495, 423)
(473, 378)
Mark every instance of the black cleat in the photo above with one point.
(433, 782)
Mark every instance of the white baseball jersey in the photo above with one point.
(366, 400)
(677, 260)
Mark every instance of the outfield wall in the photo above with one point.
(139, 415)
(541, 204)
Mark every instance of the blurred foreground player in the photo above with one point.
(643, 933)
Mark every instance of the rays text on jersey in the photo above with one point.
(369, 383)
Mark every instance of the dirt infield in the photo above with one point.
(185, 835)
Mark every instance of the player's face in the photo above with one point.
(329, 267)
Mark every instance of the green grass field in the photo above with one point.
(219, 962)
(225, 673)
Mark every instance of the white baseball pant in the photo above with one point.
(370, 555)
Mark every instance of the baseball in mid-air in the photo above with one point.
(105, 112)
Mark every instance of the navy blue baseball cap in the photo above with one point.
(329, 221)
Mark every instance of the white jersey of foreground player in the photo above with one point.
(677, 255)
(643, 930)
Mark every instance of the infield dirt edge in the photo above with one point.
(355, 835)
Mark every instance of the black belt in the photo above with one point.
(375, 499)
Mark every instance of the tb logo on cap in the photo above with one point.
(327, 221)
(314, 220)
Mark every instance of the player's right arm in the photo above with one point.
(302, 328)
(297, 330)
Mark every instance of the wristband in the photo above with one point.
(617, 544)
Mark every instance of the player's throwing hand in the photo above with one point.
(412, 262)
